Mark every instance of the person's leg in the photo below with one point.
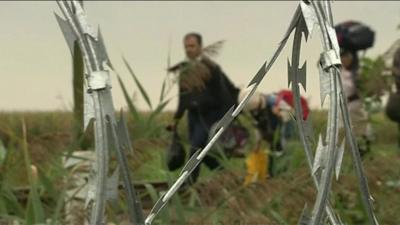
(195, 142)
(198, 138)
(359, 123)
(208, 120)
(212, 162)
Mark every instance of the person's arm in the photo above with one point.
(178, 113)
(285, 110)
(282, 108)
(181, 106)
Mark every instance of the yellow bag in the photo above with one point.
(257, 164)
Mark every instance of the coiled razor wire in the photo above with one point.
(328, 157)
(109, 133)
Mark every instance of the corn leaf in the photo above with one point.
(131, 106)
(138, 84)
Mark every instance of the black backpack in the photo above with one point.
(354, 36)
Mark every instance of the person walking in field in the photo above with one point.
(393, 104)
(354, 37)
(205, 93)
(272, 117)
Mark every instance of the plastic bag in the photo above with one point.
(393, 107)
(175, 153)
(257, 164)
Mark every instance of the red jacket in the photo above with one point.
(287, 96)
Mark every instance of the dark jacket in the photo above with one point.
(218, 92)
(396, 69)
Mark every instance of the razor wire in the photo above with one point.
(98, 106)
(109, 132)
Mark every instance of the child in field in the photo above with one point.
(272, 116)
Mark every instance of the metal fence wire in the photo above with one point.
(112, 134)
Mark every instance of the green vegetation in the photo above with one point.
(33, 181)
(219, 196)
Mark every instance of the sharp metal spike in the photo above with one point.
(91, 189)
(246, 98)
(320, 153)
(69, 35)
(88, 109)
(224, 122)
(101, 50)
(339, 159)
(303, 27)
(325, 84)
(83, 21)
(259, 76)
(192, 162)
(122, 142)
(305, 217)
(290, 73)
(293, 24)
(302, 74)
(310, 18)
(165, 197)
(123, 134)
(112, 186)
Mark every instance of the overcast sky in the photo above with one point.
(35, 61)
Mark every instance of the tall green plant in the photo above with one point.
(371, 81)
(372, 84)
(9, 204)
(13, 207)
(35, 211)
(146, 125)
(78, 80)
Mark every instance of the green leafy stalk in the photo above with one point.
(35, 212)
(78, 80)
(131, 106)
(138, 84)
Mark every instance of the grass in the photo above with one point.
(218, 197)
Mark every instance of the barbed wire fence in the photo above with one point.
(112, 134)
